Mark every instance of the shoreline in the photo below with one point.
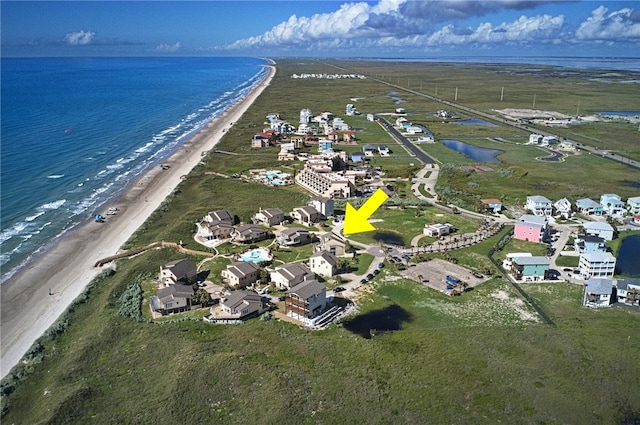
(27, 309)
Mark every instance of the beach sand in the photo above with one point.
(37, 295)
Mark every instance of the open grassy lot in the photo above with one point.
(411, 354)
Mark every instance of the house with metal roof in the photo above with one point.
(287, 276)
(597, 264)
(306, 300)
(628, 291)
(178, 271)
(539, 205)
(588, 206)
(532, 228)
(530, 269)
(612, 204)
(599, 228)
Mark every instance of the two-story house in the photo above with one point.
(633, 205)
(588, 206)
(172, 299)
(241, 274)
(239, 305)
(597, 292)
(599, 228)
(294, 236)
(323, 263)
(179, 271)
(532, 228)
(587, 243)
(539, 205)
(530, 269)
(269, 216)
(307, 215)
(248, 233)
(628, 291)
(492, 205)
(287, 276)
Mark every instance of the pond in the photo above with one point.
(392, 238)
(473, 121)
(473, 152)
(627, 263)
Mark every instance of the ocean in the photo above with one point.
(76, 132)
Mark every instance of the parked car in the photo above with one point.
(380, 265)
(369, 276)
(375, 272)
(338, 289)
(363, 281)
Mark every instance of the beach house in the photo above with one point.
(597, 292)
(530, 268)
(628, 291)
(269, 216)
(585, 244)
(333, 243)
(178, 271)
(323, 205)
(531, 228)
(633, 205)
(239, 305)
(172, 299)
(248, 233)
(597, 264)
(539, 205)
(287, 276)
(307, 215)
(492, 205)
(563, 208)
(241, 274)
(588, 206)
(598, 228)
(294, 236)
(612, 204)
(306, 300)
(323, 263)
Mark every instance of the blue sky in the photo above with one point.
(384, 28)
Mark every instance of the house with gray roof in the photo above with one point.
(530, 268)
(323, 263)
(306, 300)
(599, 228)
(178, 271)
(294, 236)
(172, 299)
(597, 292)
(588, 206)
(287, 276)
(239, 305)
(241, 274)
(539, 205)
(332, 242)
(628, 291)
(597, 264)
(269, 216)
(220, 215)
(248, 233)
(306, 215)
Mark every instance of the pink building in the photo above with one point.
(531, 228)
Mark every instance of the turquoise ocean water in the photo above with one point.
(77, 131)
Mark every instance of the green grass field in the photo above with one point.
(411, 355)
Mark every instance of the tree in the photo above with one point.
(201, 297)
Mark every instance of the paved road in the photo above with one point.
(419, 153)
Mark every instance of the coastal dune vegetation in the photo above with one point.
(410, 354)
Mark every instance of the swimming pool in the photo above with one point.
(257, 255)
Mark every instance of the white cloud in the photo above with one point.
(169, 47)
(79, 38)
(623, 24)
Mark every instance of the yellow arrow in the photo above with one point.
(355, 221)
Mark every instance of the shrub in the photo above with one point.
(131, 303)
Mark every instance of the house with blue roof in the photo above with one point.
(588, 206)
(612, 204)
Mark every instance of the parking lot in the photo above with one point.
(433, 273)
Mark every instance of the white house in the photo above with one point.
(323, 205)
(612, 204)
(438, 229)
(323, 263)
(563, 207)
(633, 205)
(599, 228)
(538, 205)
(597, 264)
(597, 292)
(628, 291)
(535, 138)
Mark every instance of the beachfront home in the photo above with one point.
(588, 206)
(307, 215)
(436, 230)
(585, 244)
(531, 228)
(241, 274)
(612, 204)
(332, 242)
(294, 236)
(306, 300)
(260, 140)
(179, 271)
(492, 205)
(598, 228)
(269, 216)
(597, 292)
(239, 305)
(633, 205)
(563, 208)
(597, 264)
(216, 230)
(323, 263)
(628, 291)
(287, 276)
(172, 299)
(530, 269)
(248, 233)
(225, 216)
(323, 205)
(538, 205)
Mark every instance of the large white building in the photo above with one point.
(597, 264)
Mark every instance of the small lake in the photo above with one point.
(474, 152)
(392, 238)
(473, 121)
(627, 262)
(387, 319)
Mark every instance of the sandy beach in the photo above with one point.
(37, 295)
